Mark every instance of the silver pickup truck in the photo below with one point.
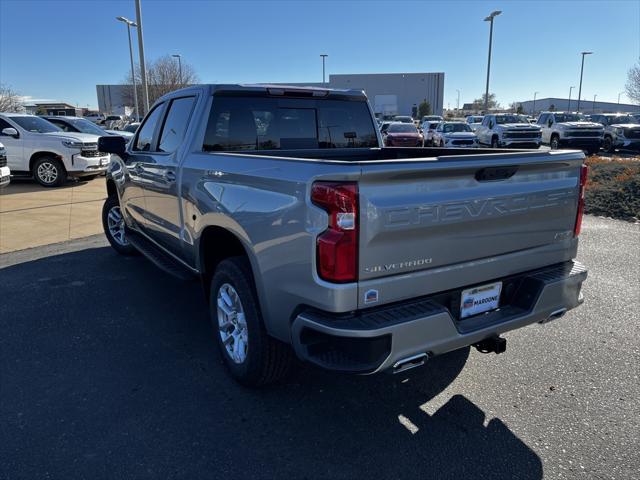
(308, 237)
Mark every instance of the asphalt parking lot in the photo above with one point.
(107, 370)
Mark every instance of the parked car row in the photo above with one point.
(609, 131)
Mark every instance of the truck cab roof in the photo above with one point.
(268, 90)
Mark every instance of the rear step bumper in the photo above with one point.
(392, 337)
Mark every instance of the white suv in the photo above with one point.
(39, 148)
(566, 129)
(508, 130)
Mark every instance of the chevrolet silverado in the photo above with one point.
(309, 238)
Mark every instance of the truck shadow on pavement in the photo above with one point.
(108, 370)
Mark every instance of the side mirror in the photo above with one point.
(113, 144)
(10, 132)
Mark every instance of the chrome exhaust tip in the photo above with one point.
(410, 362)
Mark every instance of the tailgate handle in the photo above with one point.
(491, 174)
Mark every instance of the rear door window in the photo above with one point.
(267, 123)
(175, 124)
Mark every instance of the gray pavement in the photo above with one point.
(108, 370)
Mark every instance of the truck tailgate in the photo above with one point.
(422, 215)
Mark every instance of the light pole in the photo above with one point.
(133, 72)
(490, 20)
(581, 71)
(324, 56)
(569, 106)
(143, 66)
(619, 97)
(535, 94)
(177, 55)
(458, 100)
(593, 105)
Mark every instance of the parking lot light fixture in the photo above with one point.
(133, 72)
(143, 65)
(619, 97)
(535, 94)
(569, 104)
(324, 56)
(593, 106)
(581, 72)
(490, 20)
(179, 57)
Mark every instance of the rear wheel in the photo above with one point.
(607, 145)
(49, 172)
(555, 142)
(252, 357)
(114, 227)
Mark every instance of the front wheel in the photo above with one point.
(49, 172)
(555, 142)
(252, 357)
(114, 227)
(607, 145)
(495, 143)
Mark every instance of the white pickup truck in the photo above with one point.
(38, 148)
(508, 130)
(566, 129)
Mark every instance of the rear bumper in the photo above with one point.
(374, 340)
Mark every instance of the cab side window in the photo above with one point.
(542, 120)
(145, 141)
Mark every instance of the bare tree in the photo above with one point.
(9, 100)
(163, 76)
(632, 87)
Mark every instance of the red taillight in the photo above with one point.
(337, 246)
(584, 172)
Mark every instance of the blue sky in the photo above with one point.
(62, 49)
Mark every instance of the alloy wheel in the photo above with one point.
(115, 223)
(47, 172)
(232, 324)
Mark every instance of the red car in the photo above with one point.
(403, 135)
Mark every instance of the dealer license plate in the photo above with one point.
(480, 299)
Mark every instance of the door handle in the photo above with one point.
(170, 176)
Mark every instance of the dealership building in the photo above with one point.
(389, 93)
(586, 106)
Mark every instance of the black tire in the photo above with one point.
(267, 360)
(49, 172)
(112, 206)
(607, 145)
(441, 143)
(554, 143)
(494, 142)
